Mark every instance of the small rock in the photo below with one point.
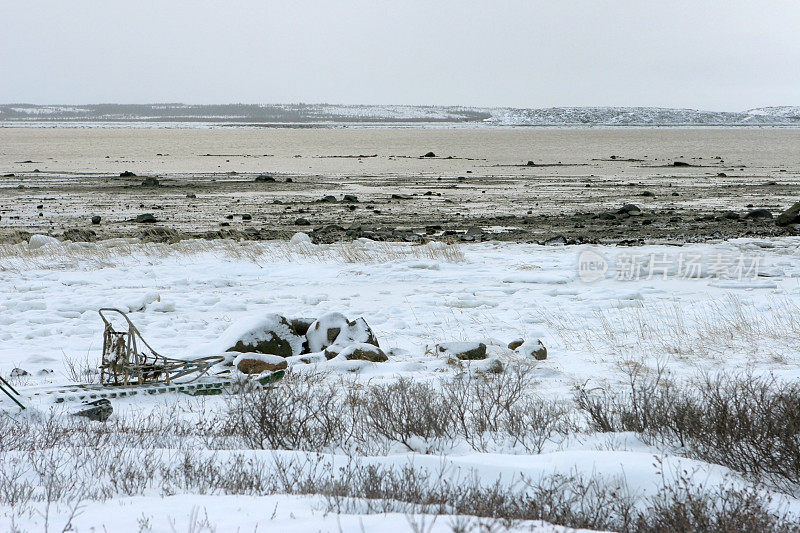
(350, 198)
(629, 209)
(18, 373)
(465, 351)
(97, 411)
(150, 181)
(647, 193)
(513, 345)
(360, 352)
(302, 222)
(250, 365)
(721, 175)
(265, 178)
(680, 164)
(80, 235)
(146, 218)
(191, 195)
(38, 241)
(558, 240)
(127, 174)
(475, 232)
(429, 154)
(759, 214)
(159, 234)
(247, 216)
(530, 164)
(533, 349)
(328, 199)
(96, 219)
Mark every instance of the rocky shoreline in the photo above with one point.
(549, 187)
(387, 216)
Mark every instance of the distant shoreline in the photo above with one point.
(388, 116)
(154, 124)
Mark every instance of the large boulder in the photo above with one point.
(335, 328)
(300, 325)
(250, 363)
(790, 216)
(466, 351)
(269, 334)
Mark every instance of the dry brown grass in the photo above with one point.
(113, 252)
(711, 329)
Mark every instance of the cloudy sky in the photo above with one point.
(715, 55)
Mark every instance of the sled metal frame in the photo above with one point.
(11, 392)
(128, 359)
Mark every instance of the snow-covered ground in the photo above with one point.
(730, 306)
(183, 297)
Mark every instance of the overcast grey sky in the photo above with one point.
(715, 55)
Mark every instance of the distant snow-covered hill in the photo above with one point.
(784, 111)
(332, 114)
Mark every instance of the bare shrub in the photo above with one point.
(568, 500)
(749, 424)
(407, 412)
(492, 406)
(683, 506)
(306, 412)
(69, 473)
(81, 369)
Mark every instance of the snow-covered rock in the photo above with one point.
(300, 239)
(266, 334)
(335, 328)
(39, 241)
(533, 349)
(360, 352)
(462, 350)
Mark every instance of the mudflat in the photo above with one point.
(520, 184)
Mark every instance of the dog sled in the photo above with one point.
(130, 367)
